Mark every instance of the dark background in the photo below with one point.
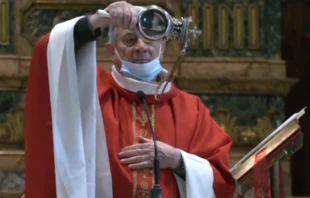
(296, 52)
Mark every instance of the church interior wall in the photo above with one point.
(234, 66)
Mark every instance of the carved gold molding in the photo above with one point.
(4, 22)
(32, 6)
(12, 131)
(193, 10)
(11, 194)
(12, 159)
(223, 26)
(231, 85)
(208, 26)
(13, 83)
(253, 26)
(14, 69)
(223, 14)
(238, 27)
(252, 68)
(13, 72)
(245, 135)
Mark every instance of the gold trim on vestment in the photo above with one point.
(143, 179)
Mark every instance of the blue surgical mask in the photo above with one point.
(146, 71)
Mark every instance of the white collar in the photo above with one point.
(134, 85)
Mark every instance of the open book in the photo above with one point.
(279, 145)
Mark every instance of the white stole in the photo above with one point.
(82, 168)
(199, 178)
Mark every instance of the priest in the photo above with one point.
(87, 132)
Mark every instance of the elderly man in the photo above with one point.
(75, 150)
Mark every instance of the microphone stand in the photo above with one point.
(156, 192)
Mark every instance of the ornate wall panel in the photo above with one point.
(247, 118)
(257, 21)
(38, 18)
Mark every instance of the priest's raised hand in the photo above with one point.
(121, 13)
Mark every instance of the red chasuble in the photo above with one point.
(180, 119)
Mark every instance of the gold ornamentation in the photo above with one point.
(144, 185)
(134, 115)
(194, 12)
(143, 179)
(234, 84)
(142, 194)
(223, 25)
(245, 135)
(147, 172)
(153, 118)
(135, 181)
(142, 118)
(12, 131)
(143, 133)
(4, 22)
(208, 26)
(238, 27)
(253, 26)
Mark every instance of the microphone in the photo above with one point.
(156, 192)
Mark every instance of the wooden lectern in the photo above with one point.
(252, 169)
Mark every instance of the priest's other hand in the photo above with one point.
(141, 156)
(121, 13)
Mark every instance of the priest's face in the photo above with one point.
(132, 48)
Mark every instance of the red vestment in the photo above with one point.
(180, 119)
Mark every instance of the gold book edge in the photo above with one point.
(246, 183)
(301, 113)
(271, 142)
(293, 118)
(270, 146)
